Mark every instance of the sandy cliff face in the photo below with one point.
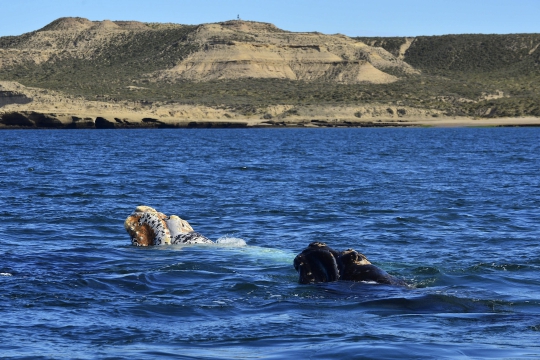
(229, 50)
(237, 60)
(239, 49)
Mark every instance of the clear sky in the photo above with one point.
(350, 17)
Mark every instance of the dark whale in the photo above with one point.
(319, 263)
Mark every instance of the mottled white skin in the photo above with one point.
(177, 226)
(159, 226)
(148, 227)
(143, 209)
(191, 238)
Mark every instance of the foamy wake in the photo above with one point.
(238, 244)
(230, 241)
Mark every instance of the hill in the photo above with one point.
(505, 69)
(249, 69)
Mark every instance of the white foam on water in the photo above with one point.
(276, 255)
(231, 241)
(6, 274)
(270, 254)
(239, 244)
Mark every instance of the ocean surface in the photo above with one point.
(454, 212)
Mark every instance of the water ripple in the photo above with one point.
(454, 212)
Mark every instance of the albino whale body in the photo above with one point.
(147, 227)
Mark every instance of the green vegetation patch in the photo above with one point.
(457, 72)
(108, 70)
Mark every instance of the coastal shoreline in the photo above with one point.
(85, 120)
(30, 108)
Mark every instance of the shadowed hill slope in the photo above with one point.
(466, 53)
(500, 64)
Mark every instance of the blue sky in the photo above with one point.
(350, 17)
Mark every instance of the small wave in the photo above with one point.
(6, 274)
(231, 241)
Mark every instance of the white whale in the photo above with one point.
(148, 227)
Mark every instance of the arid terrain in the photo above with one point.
(77, 73)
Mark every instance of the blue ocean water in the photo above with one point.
(454, 212)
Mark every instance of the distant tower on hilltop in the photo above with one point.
(238, 17)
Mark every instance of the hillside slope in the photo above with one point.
(506, 67)
(468, 53)
(250, 69)
(229, 50)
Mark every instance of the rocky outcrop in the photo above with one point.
(44, 120)
(29, 119)
(102, 123)
(16, 119)
(32, 119)
(10, 97)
